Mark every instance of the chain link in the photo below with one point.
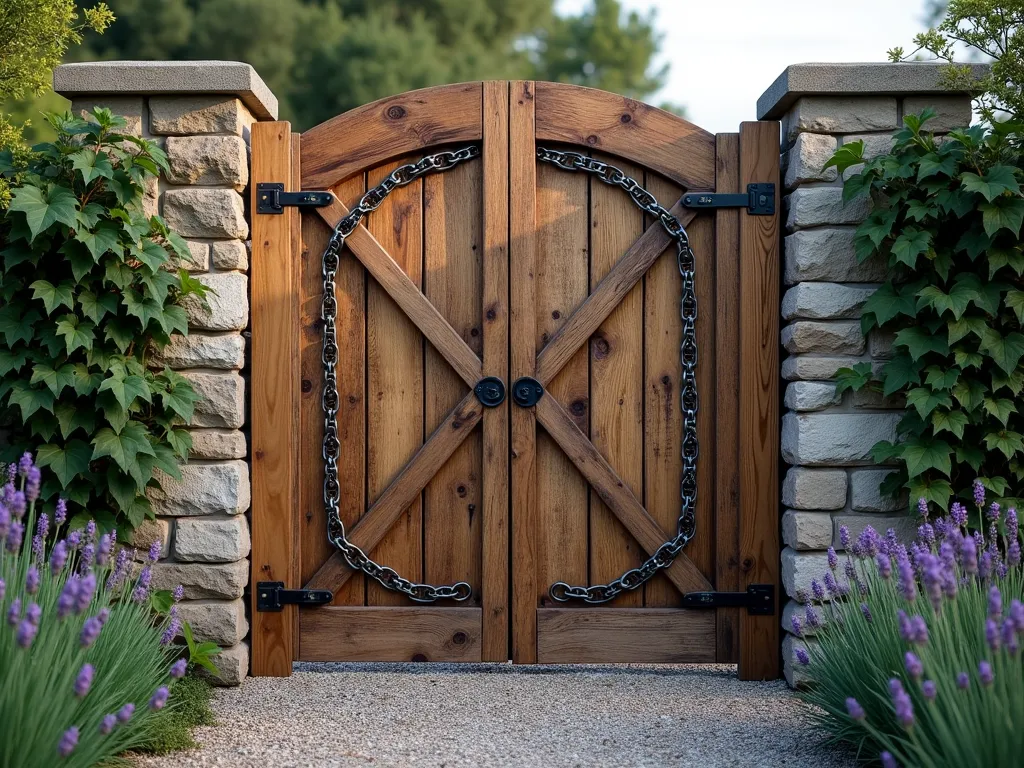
(354, 556)
(686, 525)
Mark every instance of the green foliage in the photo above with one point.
(991, 29)
(322, 58)
(171, 729)
(201, 654)
(86, 296)
(947, 218)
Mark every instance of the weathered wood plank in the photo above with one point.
(495, 471)
(624, 636)
(759, 400)
(275, 402)
(390, 634)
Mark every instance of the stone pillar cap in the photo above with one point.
(855, 79)
(155, 78)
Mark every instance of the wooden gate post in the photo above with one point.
(274, 404)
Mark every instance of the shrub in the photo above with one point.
(947, 219)
(919, 653)
(86, 295)
(85, 663)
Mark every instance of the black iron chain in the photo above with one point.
(686, 525)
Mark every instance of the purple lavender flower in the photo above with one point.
(817, 590)
(90, 631)
(173, 627)
(830, 583)
(5, 521)
(120, 571)
(1009, 636)
(932, 579)
(891, 541)
(25, 463)
(922, 507)
(884, 565)
(969, 555)
(926, 533)
(869, 541)
(913, 664)
(995, 602)
(854, 709)
(985, 563)
(159, 698)
(103, 551)
(918, 630)
(907, 582)
(68, 598)
(15, 536)
(802, 657)
(1011, 523)
(37, 548)
(929, 690)
(12, 472)
(797, 625)
(60, 514)
(32, 482)
(941, 528)
(178, 593)
(125, 713)
(979, 493)
(851, 571)
(68, 741)
(811, 618)
(985, 674)
(3, 590)
(18, 504)
(32, 580)
(958, 514)
(34, 613)
(88, 557)
(178, 668)
(103, 615)
(992, 634)
(1017, 615)
(864, 609)
(84, 680)
(833, 559)
(141, 593)
(154, 550)
(888, 761)
(906, 629)
(1013, 553)
(58, 557)
(26, 633)
(74, 539)
(14, 612)
(993, 511)
(90, 531)
(844, 536)
(86, 588)
(963, 681)
(901, 703)
(107, 724)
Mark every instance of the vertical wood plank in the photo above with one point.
(726, 395)
(522, 254)
(616, 381)
(296, 272)
(274, 401)
(495, 471)
(395, 381)
(759, 400)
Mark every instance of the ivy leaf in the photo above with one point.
(68, 462)
(126, 388)
(1005, 257)
(1012, 381)
(932, 164)
(911, 243)
(43, 425)
(79, 258)
(11, 361)
(940, 377)
(924, 453)
(78, 334)
(56, 379)
(884, 451)
(180, 398)
(998, 180)
(53, 296)
(960, 328)
(45, 206)
(888, 302)
(1005, 441)
(934, 490)
(96, 307)
(16, 324)
(878, 226)
(116, 416)
(85, 383)
(950, 421)
(972, 455)
(1015, 301)
(30, 399)
(122, 487)
(176, 319)
(925, 400)
(123, 447)
(898, 373)
(956, 301)
(106, 237)
(90, 214)
(151, 254)
(967, 359)
(919, 342)
(144, 308)
(91, 164)
(1005, 351)
(1001, 408)
(970, 393)
(975, 241)
(847, 156)
(70, 417)
(854, 378)
(1003, 213)
(180, 440)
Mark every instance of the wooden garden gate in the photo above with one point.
(554, 284)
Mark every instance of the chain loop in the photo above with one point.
(331, 401)
(686, 525)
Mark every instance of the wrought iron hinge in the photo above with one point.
(271, 198)
(759, 600)
(272, 596)
(759, 200)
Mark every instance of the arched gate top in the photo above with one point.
(568, 114)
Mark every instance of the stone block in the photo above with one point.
(131, 108)
(836, 439)
(904, 525)
(204, 489)
(807, 157)
(814, 367)
(222, 402)
(227, 304)
(824, 301)
(202, 350)
(148, 532)
(203, 580)
(151, 197)
(880, 344)
(217, 444)
(810, 395)
(197, 261)
(806, 530)
(207, 160)
(842, 338)
(201, 212)
(952, 112)
(875, 145)
(842, 114)
(814, 489)
(188, 115)
(865, 495)
(229, 254)
(827, 254)
(217, 540)
(799, 569)
(797, 675)
(873, 399)
(232, 665)
(821, 206)
(216, 621)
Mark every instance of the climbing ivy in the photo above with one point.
(86, 295)
(946, 217)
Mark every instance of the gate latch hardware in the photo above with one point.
(272, 596)
(759, 600)
(490, 391)
(759, 199)
(526, 391)
(271, 198)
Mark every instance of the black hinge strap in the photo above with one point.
(759, 199)
(272, 596)
(271, 198)
(759, 600)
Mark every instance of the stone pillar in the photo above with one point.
(826, 440)
(200, 113)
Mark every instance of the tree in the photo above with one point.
(322, 57)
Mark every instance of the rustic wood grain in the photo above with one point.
(523, 355)
(625, 636)
(405, 633)
(383, 130)
(759, 401)
(496, 446)
(275, 402)
(643, 134)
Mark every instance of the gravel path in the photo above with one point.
(500, 715)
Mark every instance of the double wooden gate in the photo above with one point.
(503, 267)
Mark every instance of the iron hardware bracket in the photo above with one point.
(759, 600)
(273, 597)
(526, 391)
(490, 391)
(759, 199)
(271, 198)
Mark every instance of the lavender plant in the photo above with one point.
(917, 658)
(85, 662)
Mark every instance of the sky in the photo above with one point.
(723, 54)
